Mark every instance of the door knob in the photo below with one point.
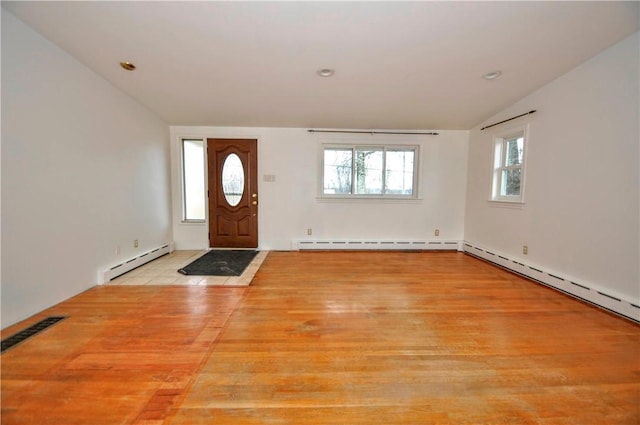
(255, 195)
(254, 203)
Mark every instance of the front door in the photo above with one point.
(233, 193)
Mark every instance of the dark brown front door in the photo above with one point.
(233, 193)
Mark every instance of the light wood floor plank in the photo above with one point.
(413, 338)
(329, 338)
(123, 356)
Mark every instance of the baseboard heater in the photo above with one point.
(119, 269)
(372, 244)
(599, 297)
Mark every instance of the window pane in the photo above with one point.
(368, 172)
(511, 182)
(399, 172)
(193, 169)
(337, 171)
(233, 179)
(514, 151)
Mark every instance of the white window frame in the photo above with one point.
(384, 148)
(183, 190)
(498, 163)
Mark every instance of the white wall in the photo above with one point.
(289, 206)
(580, 216)
(84, 169)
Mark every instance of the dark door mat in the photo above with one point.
(220, 263)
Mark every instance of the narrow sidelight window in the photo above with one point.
(193, 202)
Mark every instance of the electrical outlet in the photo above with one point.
(525, 249)
(309, 231)
(135, 243)
(437, 232)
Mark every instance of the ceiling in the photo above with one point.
(398, 65)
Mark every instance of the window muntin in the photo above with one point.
(508, 167)
(193, 180)
(369, 171)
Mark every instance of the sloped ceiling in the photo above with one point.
(413, 65)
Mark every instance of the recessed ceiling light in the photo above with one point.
(128, 66)
(325, 72)
(492, 75)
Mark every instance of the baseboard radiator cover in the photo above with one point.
(375, 244)
(119, 269)
(600, 297)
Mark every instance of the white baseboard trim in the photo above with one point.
(114, 271)
(375, 244)
(601, 297)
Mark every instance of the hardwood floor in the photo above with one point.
(330, 338)
(123, 355)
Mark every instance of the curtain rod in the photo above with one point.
(508, 119)
(374, 132)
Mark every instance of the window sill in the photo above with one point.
(366, 199)
(193, 221)
(501, 203)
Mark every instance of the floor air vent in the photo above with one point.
(30, 331)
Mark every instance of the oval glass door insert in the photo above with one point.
(233, 179)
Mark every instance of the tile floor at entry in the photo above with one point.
(164, 271)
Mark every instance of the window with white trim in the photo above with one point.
(369, 171)
(508, 166)
(193, 199)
